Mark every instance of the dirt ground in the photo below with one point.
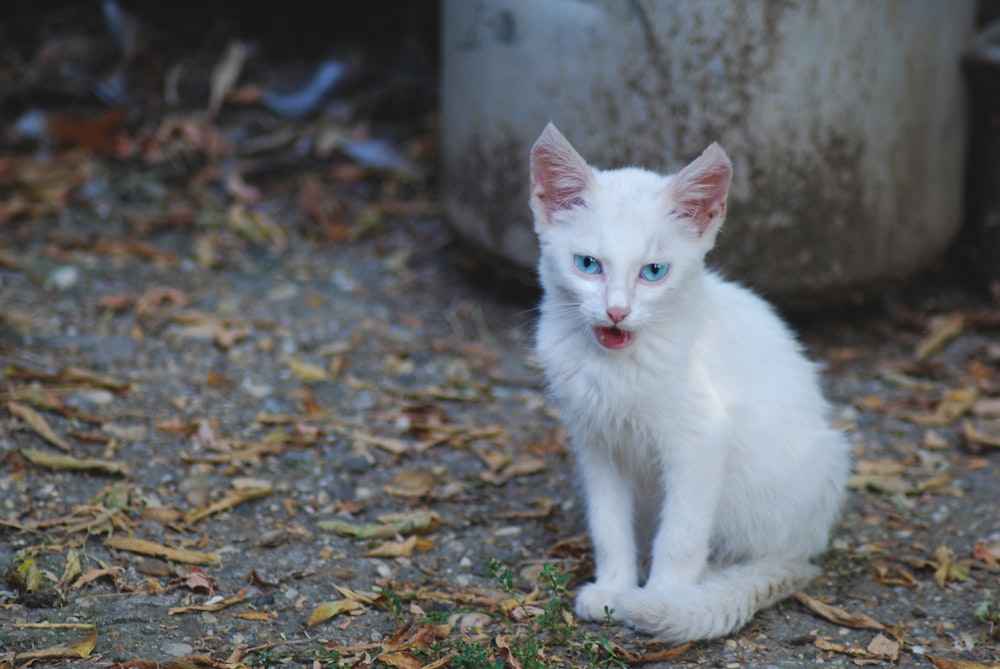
(259, 408)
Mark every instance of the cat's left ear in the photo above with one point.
(697, 194)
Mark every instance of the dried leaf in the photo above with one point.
(213, 606)
(954, 663)
(249, 490)
(507, 653)
(37, 424)
(394, 446)
(988, 553)
(948, 569)
(306, 372)
(144, 547)
(83, 649)
(522, 466)
(393, 549)
(664, 655)
(976, 436)
(327, 610)
(410, 484)
(883, 648)
(942, 330)
(58, 462)
(226, 73)
(420, 522)
(838, 615)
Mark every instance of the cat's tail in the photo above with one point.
(722, 602)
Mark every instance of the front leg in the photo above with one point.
(692, 478)
(610, 516)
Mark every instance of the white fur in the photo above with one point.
(709, 469)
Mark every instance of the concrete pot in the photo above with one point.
(845, 122)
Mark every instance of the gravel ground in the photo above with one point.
(278, 417)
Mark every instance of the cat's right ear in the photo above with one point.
(698, 192)
(560, 177)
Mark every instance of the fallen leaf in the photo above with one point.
(942, 329)
(37, 424)
(248, 489)
(305, 372)
(664, 655)
(838, 615)
(58, 462)
(83, 649)
(410, 484)
(226, 73)
(213, 606)
(144, 547)
(988, 553)
(883, 648)
(507, 653)
(826, 643)
(523, 465)
(421, 522)
(327, 610)
(404, 548)
(954, 663)
(948, 569)
(976, 436)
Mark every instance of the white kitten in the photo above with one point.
(710, 472)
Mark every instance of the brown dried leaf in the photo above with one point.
(37, 424)
(955, 663)
(826, 643)
(988, 553)
(144, 547)
(58, 462)
(394, 446)
(838, 615)
(327, 610)
(663, 655)
(883, 648)
(507, 653)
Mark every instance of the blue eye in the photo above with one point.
(587, 264)
(654, 271)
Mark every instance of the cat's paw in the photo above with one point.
(594, 600)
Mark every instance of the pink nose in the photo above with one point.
(618, 314)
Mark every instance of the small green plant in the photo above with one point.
(393, 603)
(985, 613)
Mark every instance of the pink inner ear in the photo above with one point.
(559, 176)
(699, 190)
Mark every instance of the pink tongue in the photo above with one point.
(613, 337)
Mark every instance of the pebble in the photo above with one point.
(64, 278)
(177, 649)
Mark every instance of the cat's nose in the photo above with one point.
(618, 314)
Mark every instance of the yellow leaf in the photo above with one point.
(59, 462)
(942, 330)
(37, 424)
(144, 547)
(327, 610)
(61, 651)
(306, 372)
(391, 549)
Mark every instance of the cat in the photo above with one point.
(710, 472)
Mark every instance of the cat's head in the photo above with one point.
(621, 248)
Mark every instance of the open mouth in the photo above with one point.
(613, 338)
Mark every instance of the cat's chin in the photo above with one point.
(613, 338)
